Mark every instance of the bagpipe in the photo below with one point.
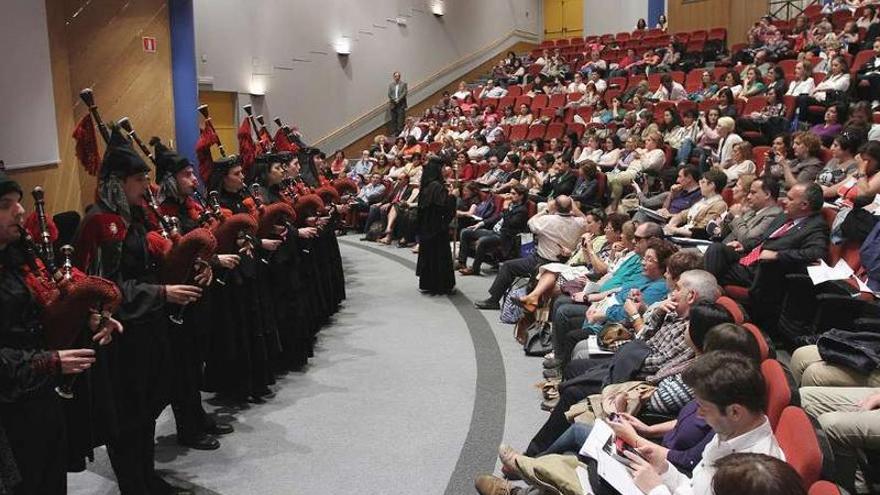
(181, 257)
(68, 296)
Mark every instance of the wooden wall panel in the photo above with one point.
(97, 44)
(697, 14)
(735, 15)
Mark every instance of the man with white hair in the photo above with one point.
(660, 334)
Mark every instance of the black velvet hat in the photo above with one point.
(121, 159)
(168, 161)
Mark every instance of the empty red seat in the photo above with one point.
(861, 57)
(759, 157)
(505, 102)
(518, 132)
(797, 438)
(557, 100)
(514, 90)
(536, 132)
(548, 112)
(717, 34)
(554, 130)
(694, 80)
(539, 101)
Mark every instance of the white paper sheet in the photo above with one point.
(598, 437)
(824, 273)
(593, 347)
(616, 474)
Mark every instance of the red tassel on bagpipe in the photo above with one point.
(157, 245)
(284, 144)
(345, 186)
(32, 225)
(308, 205)
(247, 150)
(207, 138)
(87, 145)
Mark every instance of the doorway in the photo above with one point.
(563, 19)
(222, 107)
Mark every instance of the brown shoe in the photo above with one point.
(493, 485)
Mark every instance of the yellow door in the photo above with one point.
(553, 23)
(573, 17)
(222, 107)
(563, 18)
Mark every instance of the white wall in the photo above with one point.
(603, 16)
(27, 78)
(245, 44)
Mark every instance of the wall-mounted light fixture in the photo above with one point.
(400, 20)
(258, 85)
(438, 8)
(342, 46)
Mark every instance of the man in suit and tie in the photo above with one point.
(397, 103)
(745, 230)
(792, 242)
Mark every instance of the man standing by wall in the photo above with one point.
(397, 103)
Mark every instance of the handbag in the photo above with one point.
(613, 335)
(539, 339)
(511, 309)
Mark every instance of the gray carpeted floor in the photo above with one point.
(407, 394)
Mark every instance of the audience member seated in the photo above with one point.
(868, 77)
(826, 92)
(831, 127)
(769, 121)
(744, 226)
(594, 254)
(795, 240)
(723, 154)
(740, 163)
(670, 90)
(556, 230)
(693, 221)
(850, 417)
(400, 212)
(837, 176)
(805, 165)
(731, 392)
(559, 182)
(474, 205)
(681, 196)
(681, 440)
(651, 158)
(369, 194)
(496, 235)
(586, 189)
(756, 474)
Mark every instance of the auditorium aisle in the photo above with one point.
(406, 394)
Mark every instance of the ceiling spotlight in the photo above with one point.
(437, 8)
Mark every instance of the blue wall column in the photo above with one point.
(183, 76)
(655, 8)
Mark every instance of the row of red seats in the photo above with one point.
(719, 34)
